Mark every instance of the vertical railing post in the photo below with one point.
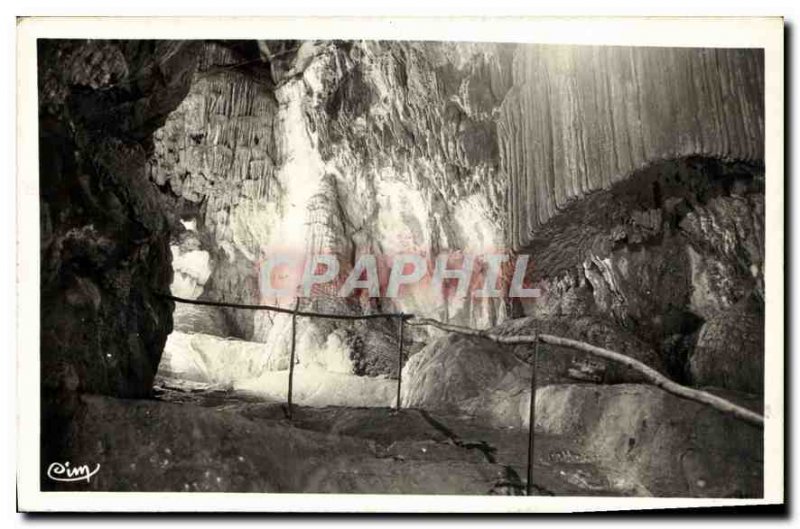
(291, 360)
(532, 419)
(400, 360)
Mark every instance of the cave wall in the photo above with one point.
(104, 226)
(632, 176)
(344, 148)
(217, 153)
(636, 184)
(580, 119)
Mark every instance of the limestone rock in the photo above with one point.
(195, 449)
(459, 374)
(580, 119)
(218, 148)
(351, 148)
(559, 364)
(485, 379)
(212, 360)
(656, 440)
(105, 227)
(200, 319)
(656, 443)
(632, 176)
(730, 352)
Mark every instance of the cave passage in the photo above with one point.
(196, 359)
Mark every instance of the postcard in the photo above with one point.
(400, 265)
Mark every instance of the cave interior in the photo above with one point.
(632, 177)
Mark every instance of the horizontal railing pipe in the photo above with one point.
(283, 310)
(650, 375)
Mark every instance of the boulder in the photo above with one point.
(730, 352)
(472, 376)
(658, 441)
(479, 377)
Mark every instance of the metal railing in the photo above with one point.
(649, 374)
(401, 318)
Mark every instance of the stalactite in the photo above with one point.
(593, 116)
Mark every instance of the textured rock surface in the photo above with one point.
(590, 440)
(313, 386)
(204, 450)
(658, 440)
(211, 360)
(633, 176)
(345, 148)
(490, 381)
(192, 265)
(558, 363)
(730, 351)
(199, 319)
(104, 227)
(363, 348)
(580, 119)
(654, 441)
(217, 148)
(367, 163)
(658, 265)
(213, 442)
(459, 374)
(610, 156)
(638, 190)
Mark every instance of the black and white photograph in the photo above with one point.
(453, 269)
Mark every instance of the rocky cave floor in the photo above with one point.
(195, 437)
(405, 451)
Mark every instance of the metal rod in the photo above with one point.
(650, 375)
(291, 360)
(282, 310)
(532, 421)
(400, 360)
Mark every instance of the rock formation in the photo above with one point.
(637, 189)
(636, 184)
(347, 148)
(581, 119)
(105, 228)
